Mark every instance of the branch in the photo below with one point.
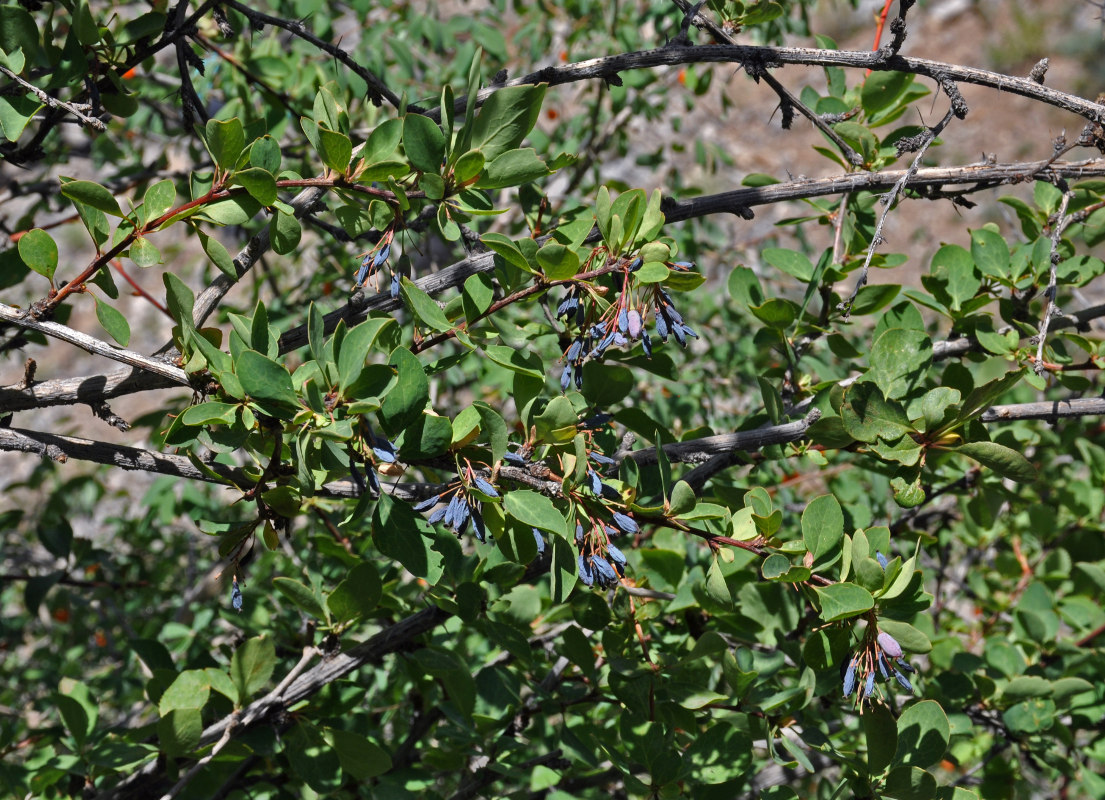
(787, 100)
(699, 450)
(1051, 410)
(95, 346)
(888, 200)
(62, 448)
(1061, 222)
(53, 102)
(377, 89)
(372, 651)
(91, 389)
(958, 347)
(768, 56)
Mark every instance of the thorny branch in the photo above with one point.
(1060, 224)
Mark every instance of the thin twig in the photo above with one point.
(888, 201)
(376, 86)
(786, 98)
(186, 778)
(1057, 229)
(53, 102)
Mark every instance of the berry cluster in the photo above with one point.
(622, 323)
(463, 507)
(599, 560)
(236, 595)
(376, 258)
(872, 661)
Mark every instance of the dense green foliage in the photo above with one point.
(526, 487)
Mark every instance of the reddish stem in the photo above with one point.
(141, 292)
(879, 28)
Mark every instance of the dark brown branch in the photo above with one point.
(389, 640)
(378, 91)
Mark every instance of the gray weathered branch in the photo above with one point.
(91, 344)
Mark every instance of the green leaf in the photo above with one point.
(39, 252)
(1030, 716)
(516, 360)
(218, 254)
(822, 525)
(190, 690)
(557, 261)
(355, 347)
(776, 313)
(505, 119)
(535, 510)
(225, 141)
(716, 587)
(843, 600)
(357, 595)
(1005, 461)
(955, 268)
(16, 112)
(1026, 686)
(180, 731)
(265, 380)
(158, 199)
(907, 636)
(252, 666)
(790, 261)
(284, 232)
(881, 90)
(15, 60)
(265, 154)
(991, 253)
(882, 737)
(74, 717)
(260, 183)
(682, 499)
(423, 142)
(900, 359)
(311, 758)
(427, 437)
(179, 299)
(909, 783)
(335, 148)
(470, 165)
(424, 307)
(359, 757)
(404, 403)
(144, 253)
(18, 29)
(505, 247)
(923, 734)
(113, 322)
(231, 211)
(301, 595)
(868, 416)
(652, 272)
(512, 168)
(207, 413)
(397, 534)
